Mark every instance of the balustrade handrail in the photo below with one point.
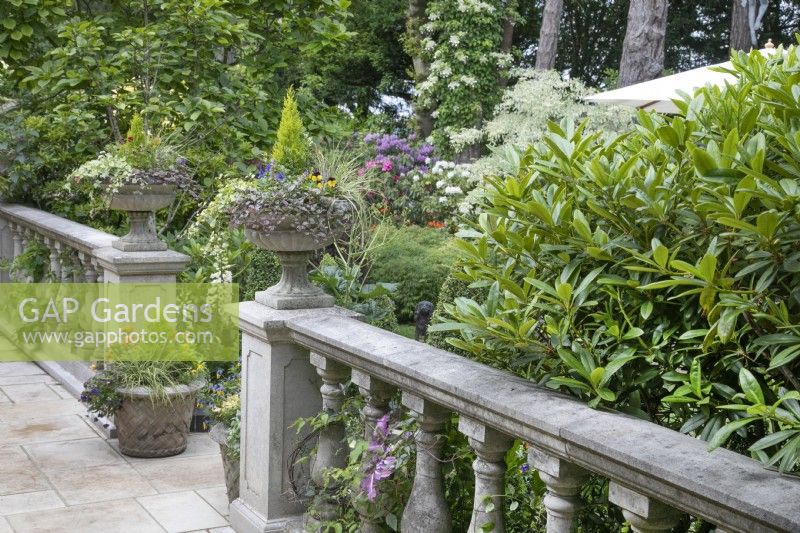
(73, 234)
(726, 488)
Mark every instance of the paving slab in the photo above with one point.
(99, 484)
(29, 501)
(20, 369)
(18, 380)
(4, 527)
(182, 512)
(18, 473)
(73, 454)
(217, 497)
(123, 516)
(23, 411)
(180, 474)
(50, 429)
(30, 392)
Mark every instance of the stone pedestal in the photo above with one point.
(279, 385)
(294, 290)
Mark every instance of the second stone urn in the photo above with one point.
(141, 203)
(294, 249)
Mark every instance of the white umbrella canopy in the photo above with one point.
(658, 94)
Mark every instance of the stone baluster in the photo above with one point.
(427, 510)
(55, 265)
(377, 394)
(6, 247)
(99, 270)
(25, 234)
(16, 236)
(77, 269)
(489, 466)
(645, 514)
(563, 481)
(332, 448)
(66, 267)
(89, 272)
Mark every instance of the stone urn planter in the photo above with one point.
(141, 203)
(219, 434)
(294, 249)
(147, 427)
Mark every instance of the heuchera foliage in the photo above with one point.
(658, 271)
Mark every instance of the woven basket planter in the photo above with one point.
(219, 434)
(148, 428)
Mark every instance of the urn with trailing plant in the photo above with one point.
(151, 403)
(301, 201)
(141, 175)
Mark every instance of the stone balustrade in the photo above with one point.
(78, 254)
(295, 362)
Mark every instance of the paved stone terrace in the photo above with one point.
(58, 474)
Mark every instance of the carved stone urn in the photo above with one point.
(141, 203)
(294, 249)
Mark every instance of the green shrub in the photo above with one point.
(345, 283)
(418, 259)
(262, 271)
(451, 289)
(656, 272)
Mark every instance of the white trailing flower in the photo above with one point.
(442, 200)
(453, 190)
(222, 277)
(415, 178)
(440, 184)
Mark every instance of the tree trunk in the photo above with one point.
(548, 34)
(740, 27)
(416, 18)
(505, 44)
(643, 48)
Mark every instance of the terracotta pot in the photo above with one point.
(141, 203)
(149, 428)
(219, 434)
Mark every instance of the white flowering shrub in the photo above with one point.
(462, 42)
(520, 119)
(438, 194)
